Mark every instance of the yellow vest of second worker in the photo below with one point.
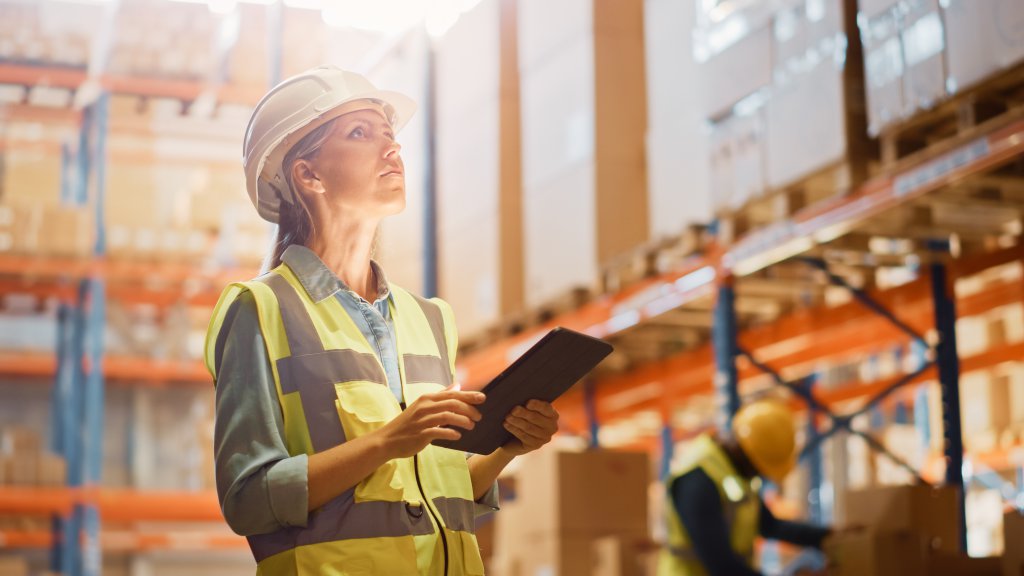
(412, 515)
(740, 503)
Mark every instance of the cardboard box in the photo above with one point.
(879, 22)
(924, 48)
(1013, 536)
(618, 556)
(20, 440)
(558, 554)
(932, 513)
(13, 565)
(53, 470)
(559, 492)
(736, 72)
(877, 554)
(983, 37)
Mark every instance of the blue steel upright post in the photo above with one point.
(948, 362)
(725, 347)
(92, 453)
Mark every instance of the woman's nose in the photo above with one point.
(392, 149)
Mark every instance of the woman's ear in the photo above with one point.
(305, 178)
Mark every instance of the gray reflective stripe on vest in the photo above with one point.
(343, 519)
(312, 371)
(433, 314)
(430, 369)
(457, 513)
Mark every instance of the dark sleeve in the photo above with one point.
(697, 502)
(793, 532)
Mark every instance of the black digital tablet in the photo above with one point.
(545, 372)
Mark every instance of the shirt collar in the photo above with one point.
(319, 281)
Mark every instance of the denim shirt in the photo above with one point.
(373, 320)
(261, 487)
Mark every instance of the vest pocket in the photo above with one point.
(365, 407)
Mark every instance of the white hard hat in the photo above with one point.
(293, 109)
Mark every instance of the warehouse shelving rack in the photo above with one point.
(709, 284)
(82, 287)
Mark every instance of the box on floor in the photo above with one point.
(932, 513)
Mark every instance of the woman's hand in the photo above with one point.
(533, 425)
(421, 423)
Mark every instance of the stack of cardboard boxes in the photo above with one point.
(24, 462)
(584, 120)
(783, 96)
(478, 173)
(575, 514)
(905, 531)
(919, 52)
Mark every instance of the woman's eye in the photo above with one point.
(357, 133)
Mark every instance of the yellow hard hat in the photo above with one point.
(767, 435)
(295, 108)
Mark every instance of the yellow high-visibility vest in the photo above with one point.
(740, 503)
(411, 515)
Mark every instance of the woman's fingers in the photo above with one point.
(526, 434)
(453, 406)
(542, 422)
(446, 419)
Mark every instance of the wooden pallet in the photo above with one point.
(653, 258)
(776, 205)
(997, 96)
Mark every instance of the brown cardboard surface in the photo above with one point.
(923, 510)
(877, 554)
(1013, 539)
(598, 492)
(565, 555)
(959, 565)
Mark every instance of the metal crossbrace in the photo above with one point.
(838, 421)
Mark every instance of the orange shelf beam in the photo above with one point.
(72, 79)
(131, 541)
(139, 370)
(114, 504)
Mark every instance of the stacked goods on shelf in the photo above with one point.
(918, 53)
(575, 514)
(906, 531)
(48, 33)
(24, 462)
(158, 38)
(584, 119)
(983, 37)
(247, 61)
(784, 103)
(14, 566)
(172, 448)
(478, 179)
(677, 142)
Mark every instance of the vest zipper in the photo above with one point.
(426, 504)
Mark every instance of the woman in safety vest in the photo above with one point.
(715, 513)
(331, 382)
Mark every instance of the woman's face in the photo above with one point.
(359, 166)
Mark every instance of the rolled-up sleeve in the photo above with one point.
(261, 487)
